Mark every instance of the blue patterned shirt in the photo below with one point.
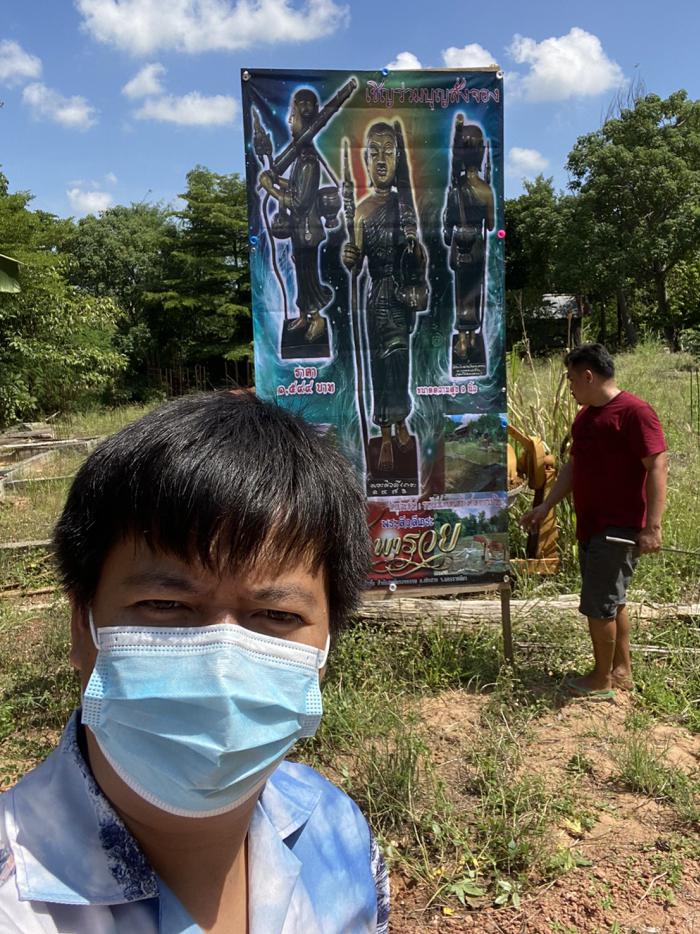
(69, 864)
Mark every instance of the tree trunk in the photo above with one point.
(669, 329)
(624, 321)
(602, 325)
(575, 331)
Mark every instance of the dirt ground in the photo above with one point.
(632, 886)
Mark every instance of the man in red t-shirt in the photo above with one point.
(617, 473)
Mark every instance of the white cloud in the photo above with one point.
(405, 61)
(526, 163)
(469, 56)
(73, 112)
(193, 109)
(563, 67)
(16, 65)
(111, 178)
(89, 202)
(146, 83)
(142, 26)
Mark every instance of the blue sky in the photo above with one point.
(113, 101)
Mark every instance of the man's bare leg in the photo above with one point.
(603, 632)
(622, 664)
(386, 453)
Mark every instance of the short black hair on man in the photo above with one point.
(221, 479)
(593, 357)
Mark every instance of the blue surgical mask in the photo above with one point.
(194, 720)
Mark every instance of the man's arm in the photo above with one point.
(657, 467)
(563, 485)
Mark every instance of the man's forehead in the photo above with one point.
(135, 562)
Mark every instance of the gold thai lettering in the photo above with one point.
(418, 550)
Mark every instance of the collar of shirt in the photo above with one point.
(70, 846)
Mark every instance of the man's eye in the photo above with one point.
(160, 604)
(281, 616)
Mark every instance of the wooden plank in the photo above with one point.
(433, 590)
(412, 611)
(28, 482)
(535, 565)
(80, 444)
(26, 546)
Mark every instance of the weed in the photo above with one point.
(642, 769)
(567, 859)
(580, 764)
(39, 688)
(507, 893)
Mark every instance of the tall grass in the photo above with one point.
(99, 422)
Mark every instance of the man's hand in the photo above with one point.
(351, 255)
(649, 541)
(531, 520)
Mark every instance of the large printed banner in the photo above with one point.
(376, 225)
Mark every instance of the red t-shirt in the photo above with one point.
(609, 442)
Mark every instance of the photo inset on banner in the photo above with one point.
(377, 275)
(475, 453)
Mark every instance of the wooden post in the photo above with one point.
(505, 591)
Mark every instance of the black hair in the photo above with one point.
(594, 357)
(222, 479)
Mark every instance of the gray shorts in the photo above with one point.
(606, 570)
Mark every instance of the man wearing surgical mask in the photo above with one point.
(209, 552)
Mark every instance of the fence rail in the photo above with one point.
(179, 380)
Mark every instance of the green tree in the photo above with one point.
(533, 229)
(206, 293)
(640, 175)
(55, 342)
(590, 260)
(122, 254)
(533, 225)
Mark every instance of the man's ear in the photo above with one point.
(82, 649)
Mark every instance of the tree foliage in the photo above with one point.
(56, 343)
(628, 231)
(206, 290)
(106, 297)
(122, 255)
(640, 175)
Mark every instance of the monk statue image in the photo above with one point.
(467, 219)
(383, 230)
(304, 210)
